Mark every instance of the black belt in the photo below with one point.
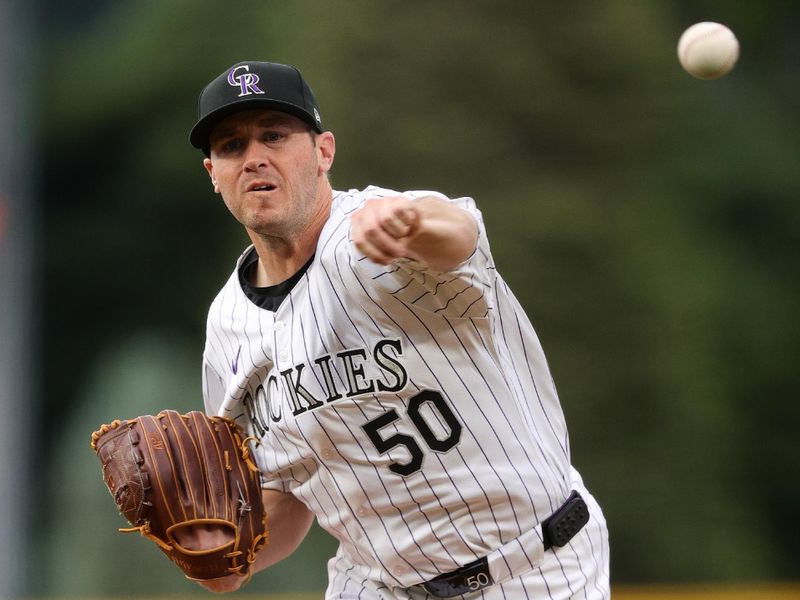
(557, 529)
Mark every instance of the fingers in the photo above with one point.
(400, 221)
(395, 227)
(382, 228)
(203, 536)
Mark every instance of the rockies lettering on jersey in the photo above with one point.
(354, 388)
(262, 409)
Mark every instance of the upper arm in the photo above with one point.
(213, 388)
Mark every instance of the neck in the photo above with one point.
(281, 257)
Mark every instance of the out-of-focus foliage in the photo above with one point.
(649, 223)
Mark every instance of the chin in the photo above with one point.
(259, 221)
(261, 228)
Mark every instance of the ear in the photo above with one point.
(326, 149)
(210, 169)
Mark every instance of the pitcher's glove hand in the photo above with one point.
(178, 477)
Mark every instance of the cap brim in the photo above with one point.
(200, 133)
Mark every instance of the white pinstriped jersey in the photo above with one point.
(412, 411)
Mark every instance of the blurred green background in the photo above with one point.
(648, 221)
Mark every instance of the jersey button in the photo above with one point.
(279, 325)
(361, 511)
(327, 453)
(283, 356)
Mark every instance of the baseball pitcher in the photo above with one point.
(389, 382)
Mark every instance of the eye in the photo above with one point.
(272, 137)
(230, 145)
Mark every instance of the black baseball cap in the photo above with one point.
(253, 84)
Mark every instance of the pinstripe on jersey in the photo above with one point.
(412, 411)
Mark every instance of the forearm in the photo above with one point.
(429, 230)
(446, 235)
(288, 522)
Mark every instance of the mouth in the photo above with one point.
(261, 187)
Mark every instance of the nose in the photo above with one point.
(256, 156)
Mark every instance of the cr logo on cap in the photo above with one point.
(246, 81)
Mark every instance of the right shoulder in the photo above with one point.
(221, 340)
(231, 292)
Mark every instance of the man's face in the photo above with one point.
(268, 168)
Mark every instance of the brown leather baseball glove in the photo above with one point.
(175, 477)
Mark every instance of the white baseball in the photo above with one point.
(708, 50)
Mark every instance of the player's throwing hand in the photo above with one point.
(383, 228)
